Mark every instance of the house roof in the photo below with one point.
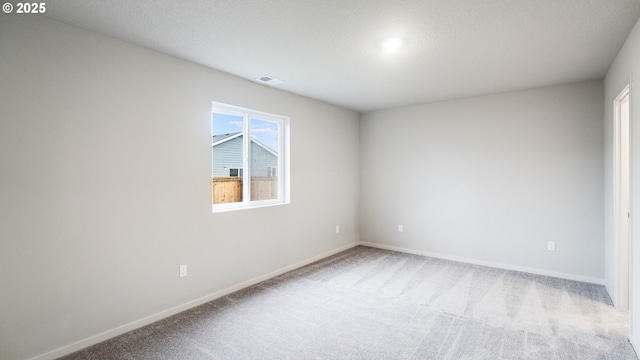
(222, 138)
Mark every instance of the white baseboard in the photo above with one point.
(95, 339)
(555, 274)
(633, 344)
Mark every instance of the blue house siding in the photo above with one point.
(228, 155)
(261, 160)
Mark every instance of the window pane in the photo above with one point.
(249, 158)
(227, 149)
(264, 150)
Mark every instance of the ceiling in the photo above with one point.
(330, 49)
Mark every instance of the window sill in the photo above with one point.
(233, 207)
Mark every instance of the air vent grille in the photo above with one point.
(268, 80)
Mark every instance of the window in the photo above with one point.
(250, 158)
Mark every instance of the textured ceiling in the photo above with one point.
(329, 49)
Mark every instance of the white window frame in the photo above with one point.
(283, 157)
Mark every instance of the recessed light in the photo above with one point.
(392, 44)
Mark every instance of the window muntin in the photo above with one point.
(248, 173)
(264, 148)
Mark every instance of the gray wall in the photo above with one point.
(626, 64)
(490, 179)
(105, 185)
(91, 235)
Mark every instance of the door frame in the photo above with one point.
(622, 199)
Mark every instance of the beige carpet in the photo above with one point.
(367, 303)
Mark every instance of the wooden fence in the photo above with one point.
(229, 189)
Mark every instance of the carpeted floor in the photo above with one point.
(367, 303)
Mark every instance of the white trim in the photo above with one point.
(283, 156)
(227, 109)
(529, 270)
(634, 345)
(255, 141)
(95, 339)
(246, 155)
(255, 205)
(622, 291)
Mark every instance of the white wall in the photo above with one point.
(625, 66)
(490, 179)
(105, 185)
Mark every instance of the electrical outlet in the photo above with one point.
(337, 229)
(551, 246)
(183, 270)
(400, 228)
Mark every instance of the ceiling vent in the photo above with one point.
(268, 80)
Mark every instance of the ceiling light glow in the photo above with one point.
(392, 44)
